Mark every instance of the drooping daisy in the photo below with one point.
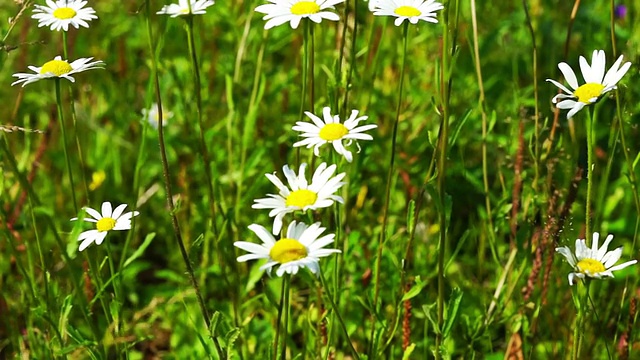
(198, 7)
(57, 68)
(301, 248)
(60, 13)
(595, 85)
(300, 195)
(595, 262)
(152, 115)
(105, 222)
(330, 130)
(293, 11)
(412, 10)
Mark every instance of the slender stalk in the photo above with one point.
(287, 309)
(590, 168)
(312, 62)
(390, 173)
(64, 144)
(167, 183)
(579, 329)
(281, 309)
(203, 146)
(336, 311)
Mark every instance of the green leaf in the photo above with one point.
(452, 311)
(140, 250)
(415, 289)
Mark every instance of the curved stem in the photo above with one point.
(336, 311)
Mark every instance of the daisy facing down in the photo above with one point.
(301, 248)
(198, 7)
(596, 263)
(57, 68)
(105, 222)
(596, 82)
(279, 12)
(60, 14)
(411, 10)
(330, 130)
(300, 195)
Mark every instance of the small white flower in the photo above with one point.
(57, 68)
(293, 11)
(596, 82)
(60, 13)
(412, 10)
(330, 130)
(300, 249)
(198, 7)
(300, 195)
(105, 222)
(595, 262)
(152, 115)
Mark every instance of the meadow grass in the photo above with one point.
(450, 217)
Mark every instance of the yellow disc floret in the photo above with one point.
(301, 198)
(64, 13)
(590, 266)
(286, 250)
(305, 8)
(106, 224)
(334, 131)
(57, 67)
(588, 91)
(407, 11)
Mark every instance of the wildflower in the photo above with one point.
(595, 262)
(97, 178)
(620, 12)
(594, 87)
(57, 68)
(105, 222)
(152, 115)
(330, 130)
(60, 13)
(279, 12)
(301, 248)
(412, 10)
(300, 195)
(198, 7)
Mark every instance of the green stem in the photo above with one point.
(387, 201)
(312, 63)
(336, 311)
(281, 310)
(590, 169)
(64, 144)
(287, 309)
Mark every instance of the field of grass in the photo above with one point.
(450, 216)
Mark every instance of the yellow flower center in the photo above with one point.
(64, 13)
(305, 8)
(184, 11)
(588, 91)
(106, 224)
(286, 250)
(590, 266)
(407, 11)
(331, 132)
(58, 67)
(301, 198)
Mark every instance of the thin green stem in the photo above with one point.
(312, 62)
(64, 144)
(286, 309)
(336, 311)
(281, 309)
(387, 201)
(590, 169)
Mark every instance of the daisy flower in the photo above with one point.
(595, 262)
(279, 12)
(300, 195)
(60, 13)
(301, 248)
(330, 130)
(105, 222)
(596, 82)
(412, 10)
(198, 7)
(57, 68)
(152, 115)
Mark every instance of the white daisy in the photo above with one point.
(60, 13)
(595, 262)
(198, 7)
(595, 85)
(412, 10)
(279, 12)
(332, 131)
(57, 68)
(152, 115)
(300, 249)
(300, 195)
(105, 222)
